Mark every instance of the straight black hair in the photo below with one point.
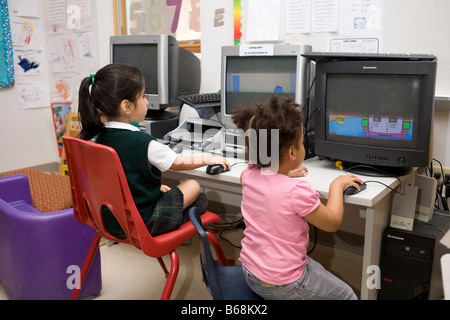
(101, 94)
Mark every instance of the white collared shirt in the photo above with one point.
(159, 155)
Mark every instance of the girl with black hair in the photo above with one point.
(109, 102)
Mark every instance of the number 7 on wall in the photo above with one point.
(176, 16)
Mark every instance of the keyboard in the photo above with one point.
(324, 56)
(201, 100)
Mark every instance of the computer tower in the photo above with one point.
(409, 268)
(406, 264)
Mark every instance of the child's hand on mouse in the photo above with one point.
(211, 160)
(343, 182)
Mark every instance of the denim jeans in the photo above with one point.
(315, 283)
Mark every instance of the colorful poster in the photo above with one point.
(61, 113)
(6, 54)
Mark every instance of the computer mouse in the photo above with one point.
(215, 169)
(352, 190)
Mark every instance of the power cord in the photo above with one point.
(228, 226)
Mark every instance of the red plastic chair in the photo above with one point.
(97, 179)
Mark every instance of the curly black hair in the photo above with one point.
(282, 117)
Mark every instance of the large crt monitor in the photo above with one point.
(169, 70)
(252, 73)
(376, 112)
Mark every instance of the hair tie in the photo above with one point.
(92, 77)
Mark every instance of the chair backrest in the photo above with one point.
(224, 282)
(97, 179)
(207, 262)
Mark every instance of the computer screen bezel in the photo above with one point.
(302, 73)
(385, 156)
(162, 41)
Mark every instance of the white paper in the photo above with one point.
(32, 95)
(26, 33)
(350, 44)
(256, 50)
(62, 54)
(298, 16)
(87, 52)
(63, 87)
(361, 17)
(25, 8)
(324, 15)
(29, 62)
(55, 16)
(264, 20)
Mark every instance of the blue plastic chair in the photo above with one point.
(223, 282)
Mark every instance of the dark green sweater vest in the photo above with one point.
(143, 179)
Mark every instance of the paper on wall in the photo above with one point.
(264, 20)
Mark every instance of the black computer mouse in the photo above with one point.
(215, 169)
(352, 190)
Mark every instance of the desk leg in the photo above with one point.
(377, 219)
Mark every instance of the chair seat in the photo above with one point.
(179, 236)
(233, 285)
(97, 179)
(36, 249)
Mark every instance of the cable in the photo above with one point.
(381, 171)
(315, 241)
(228, 226)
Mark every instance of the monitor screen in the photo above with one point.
(254, 80)
(378, 110)
(375, 112)
(144, 56)
(169, 70)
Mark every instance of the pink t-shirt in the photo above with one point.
(276, 235)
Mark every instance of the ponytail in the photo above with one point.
(87, 112)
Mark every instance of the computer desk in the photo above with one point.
(375, 201)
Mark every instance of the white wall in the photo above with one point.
(213, 38)
(27, 136)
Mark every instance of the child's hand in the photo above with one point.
(218, 160)
(298, 172)
(164, 188)
(343, 182)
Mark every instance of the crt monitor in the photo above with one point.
(375, 112)
(169, 70)
(252, 73)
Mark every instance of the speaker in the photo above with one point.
(406, 263)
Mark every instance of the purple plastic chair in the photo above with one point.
(40, 253)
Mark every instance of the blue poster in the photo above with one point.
(6, 52)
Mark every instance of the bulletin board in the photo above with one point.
(6, 55)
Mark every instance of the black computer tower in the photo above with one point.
(406, 264)
(409, 268)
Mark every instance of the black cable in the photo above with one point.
(381, 171)
(315, 241)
